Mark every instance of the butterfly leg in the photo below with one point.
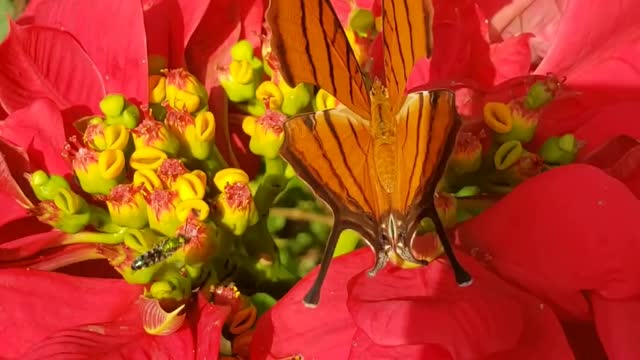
(380, 249)
(462, 276)
(313, 296)
(403, 249)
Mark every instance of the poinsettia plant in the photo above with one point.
(148, 213)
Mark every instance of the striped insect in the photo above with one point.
(160, 252)
(377, 159)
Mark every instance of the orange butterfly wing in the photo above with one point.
(312, 47)
(427, 128)
(331, 151)
(407, 38)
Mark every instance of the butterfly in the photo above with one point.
(376, 160)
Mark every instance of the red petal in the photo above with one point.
(39, 129)
(112, 33)
(22, 224)
(290, 328)
(603, 55)
(569, 230)
(207, 321)
(343, 9)
(425, 306)
(60, 314)
(511, 18)
(11, 195)
(365, 349)
(169, 24)
(607, 121)
(46, 62)
(458, 25)
(511, 58)
(29, 245)
(620, 158)
(584, 341)
(40, 303)
(618, 323)
(598, 65)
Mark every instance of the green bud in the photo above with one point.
(112, 105)
(296, 99)
(559, 150)
(361, 21)
(242, 50)
(262, 302)
(538, 96)
(171, 285)
(46, 187)
(130, 116)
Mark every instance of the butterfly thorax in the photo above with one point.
(383, 126)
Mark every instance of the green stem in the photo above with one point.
(217, 157)
(89, 237)
(101, 220)
(275, 166)
(270, 187)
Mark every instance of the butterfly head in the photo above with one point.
(378, 93)
(392, 230)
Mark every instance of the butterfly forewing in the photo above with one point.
(331, 152)
(427, 127)
(311, 47)
(407, 38)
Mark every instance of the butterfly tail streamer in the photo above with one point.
(313, 295)
(462, 276)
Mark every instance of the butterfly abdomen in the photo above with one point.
(384, 134)
(384, 154)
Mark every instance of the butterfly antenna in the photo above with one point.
(313, 296)
(462, 276)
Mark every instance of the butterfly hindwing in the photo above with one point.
(407, 38)
(427, 128)
(331, 150)
(317, 51)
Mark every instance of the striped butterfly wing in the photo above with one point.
(312, 47)
(407, 38)
(427, 127)
(331, 151)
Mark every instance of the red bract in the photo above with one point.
(412, 314)
(100, 323)
(169, 25)
(115, 44)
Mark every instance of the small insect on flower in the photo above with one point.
(158, 253)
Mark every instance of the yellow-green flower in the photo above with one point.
(184, 91)
(196, 135)
(161, 211)
(97, 172)
(235, 208)
(155, 134)
(67, 211)
(267, 133)
(127, 206)
(117, 110)
(243, 74)
(170, 170)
